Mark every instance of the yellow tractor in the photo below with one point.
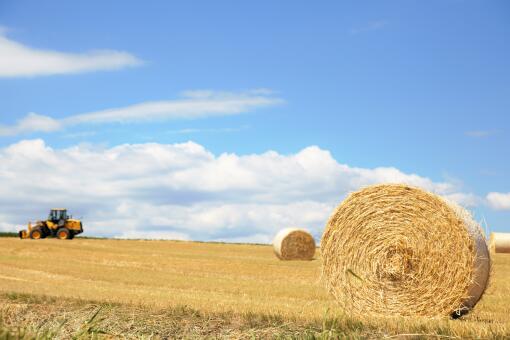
(58, 225)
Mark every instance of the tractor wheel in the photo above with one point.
(46, 231)
(63, 234)
(36, 234)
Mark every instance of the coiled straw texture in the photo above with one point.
(393, 249)
(294, 244)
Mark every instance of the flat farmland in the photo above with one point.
(160, 289)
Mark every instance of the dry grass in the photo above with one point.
(294, 244)
(500, 243)
(160, 289)
(396, 249)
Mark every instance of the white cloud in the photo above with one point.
(188, 131)
(5, 227)
(464, 199)
(31, 123)
(192, 105)
(499, 201)
(183, 191)
(18, 60)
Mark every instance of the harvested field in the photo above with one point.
(186, 289)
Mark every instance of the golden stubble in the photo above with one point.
(148, 278)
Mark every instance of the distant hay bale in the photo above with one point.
(294, 244)
(393, 249)
(500, 243)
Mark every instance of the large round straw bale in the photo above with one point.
(393, 249)
(294, 244)
(500, 243)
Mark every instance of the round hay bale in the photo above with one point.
(294, 244)
(393, 249)
(500, 243)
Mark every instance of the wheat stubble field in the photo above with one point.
(163, 289)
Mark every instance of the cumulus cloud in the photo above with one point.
(183, 191)
(18, 60)
(191, 105)
(499, 201)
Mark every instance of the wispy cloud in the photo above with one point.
(80, 134)
(32, 122)
(371, 26)
(214, 130)
(480, 133)
(191, 105)
(499, 200)
(18, 60)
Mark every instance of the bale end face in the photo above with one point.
(395, 249)
(294, 244)
(500, 243)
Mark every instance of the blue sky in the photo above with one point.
(422, 87)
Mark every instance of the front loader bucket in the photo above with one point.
(23, 234)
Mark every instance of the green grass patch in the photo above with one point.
(8, 234)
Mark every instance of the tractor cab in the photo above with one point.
(57, 215)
